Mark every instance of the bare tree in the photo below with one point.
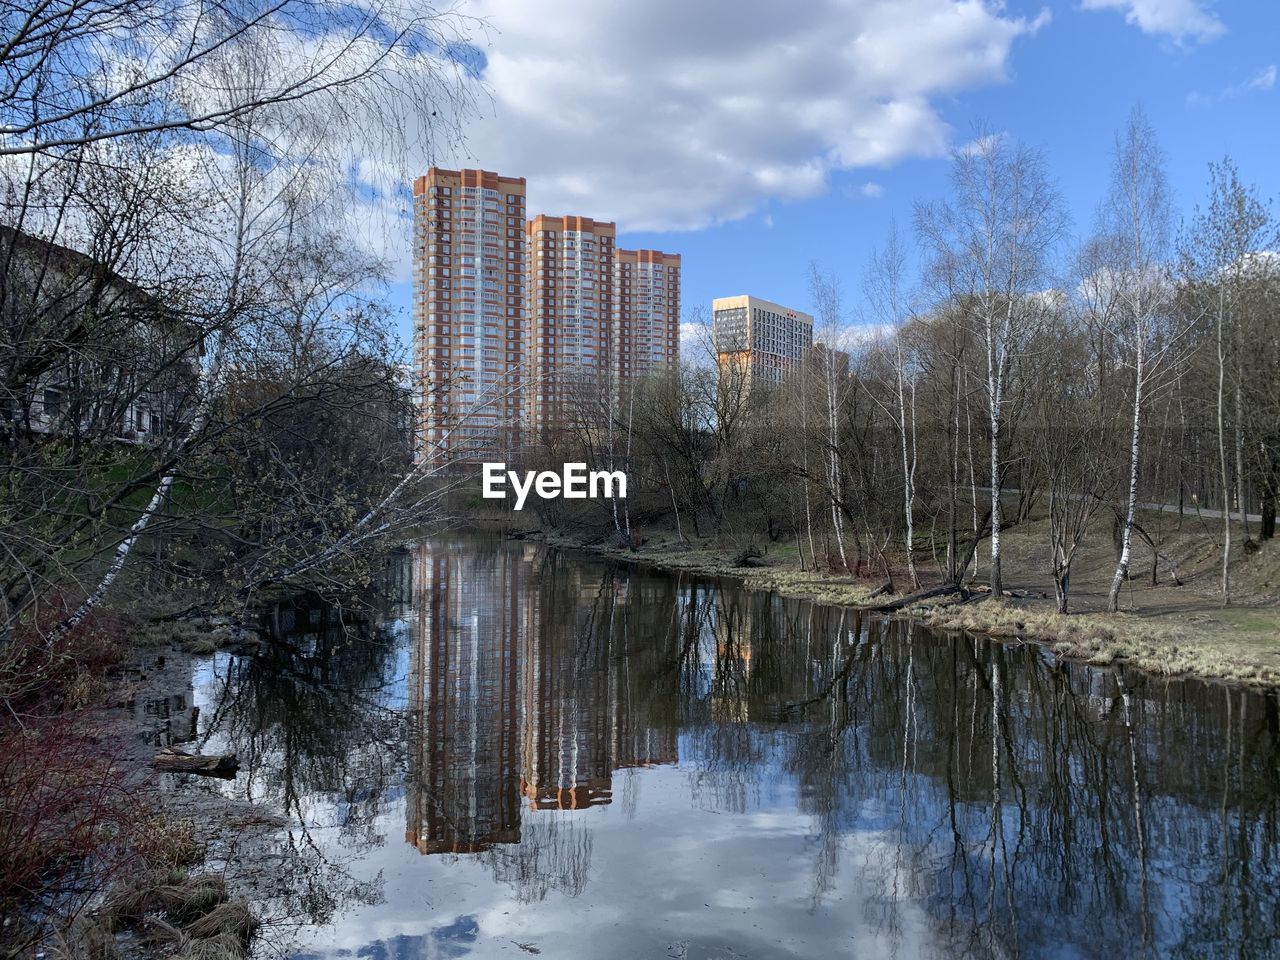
(1134, 228)
(199, 179)
(885, 295)
(991, 248)
(1221, 255)
(88, 72)
(1073, 443)
(831, 366)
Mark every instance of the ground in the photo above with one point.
(184, 865)
(1163, 628)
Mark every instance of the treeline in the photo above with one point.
(1016, 368)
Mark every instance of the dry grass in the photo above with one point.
(778, 572)
(232, 918)
(1160, 647)
(168, 842)
(201, 636)
(221, 946)
(192, 918)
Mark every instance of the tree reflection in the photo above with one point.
(314, 717)
(1009, 803)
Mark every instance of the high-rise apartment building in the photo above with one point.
(569, 339)
(469, 312)
(759, 340)
(647, 315)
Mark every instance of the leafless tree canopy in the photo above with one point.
(195, 358)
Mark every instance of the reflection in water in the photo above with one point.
(464, 757)
(709, 770)
(517, 691)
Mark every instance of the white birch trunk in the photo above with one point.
(994, 389)
(144, 520)
(1126, 542)
(1222, 461)
(804, 442)
(833, 455)
(908, 466)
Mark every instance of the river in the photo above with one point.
(539, 753)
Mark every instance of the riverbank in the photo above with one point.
(1165, 629)
(142, 863)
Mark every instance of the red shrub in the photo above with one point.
(65, 817)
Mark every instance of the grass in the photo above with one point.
(192, 917)
(200, 636)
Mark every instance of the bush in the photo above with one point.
(65, 820)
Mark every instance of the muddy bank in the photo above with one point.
(187, 871)
(1196, 641)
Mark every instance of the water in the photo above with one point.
(538, 753)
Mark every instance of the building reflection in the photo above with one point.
(929, 788)
(520, 697)
(464, 765)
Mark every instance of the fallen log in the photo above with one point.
(173, 760)
(915, 598)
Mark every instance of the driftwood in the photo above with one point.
(880, 591)
(748, 557)
(173, 760)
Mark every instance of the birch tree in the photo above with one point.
(1134, 226)
(830, 364)
(883, 288)
(991, 248)
(247, 107)
(1226, 244)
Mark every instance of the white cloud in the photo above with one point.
(872, 190)
(674, 115)
(1179, 19)
(1265, 79)
(1261, 82)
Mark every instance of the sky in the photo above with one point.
(756, 138)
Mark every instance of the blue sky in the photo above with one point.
(746, 142)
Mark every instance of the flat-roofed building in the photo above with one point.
(759, 340)
(647, 312)
(569, 338)
(469, 312)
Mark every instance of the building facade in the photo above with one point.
(112, 363)
(647, 317)
(569, 337)
(758, 340)
(469, 313)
